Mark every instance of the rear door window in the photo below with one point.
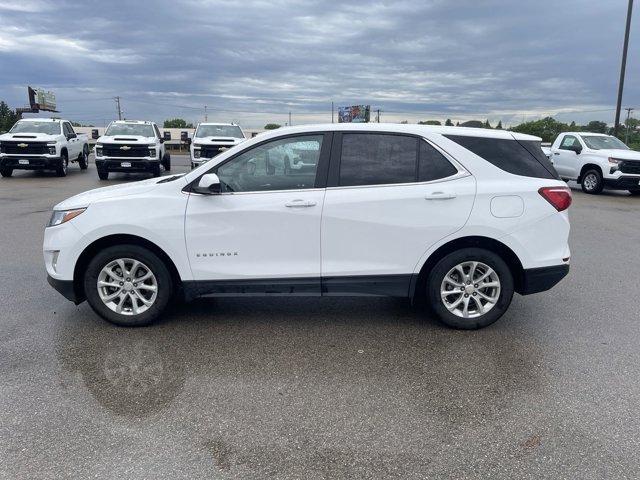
(433, 165)
(377, 159)
(512, 156)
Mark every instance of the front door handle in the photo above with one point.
(556, 153)
(300, 203)
(440, 196)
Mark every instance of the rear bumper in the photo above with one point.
(35, 162)
(136, 164)
(536, 280)
(624, 182)
(66, 288)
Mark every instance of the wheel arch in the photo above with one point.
(419, 281)
(118, 239)
(589, 166)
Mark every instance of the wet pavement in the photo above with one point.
(322, 387)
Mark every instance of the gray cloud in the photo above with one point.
(255, 61)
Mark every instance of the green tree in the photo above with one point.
(429, 122)
(473, 124)
(487, 124)
(272, 126)
(177, 123)
(547, 128)
(448, 123)
(7, 117)
(595, 126)
(499, 126)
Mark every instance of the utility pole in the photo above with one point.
(290, 119)
(331, 112)
(623, 66)
(205, 114)
(626, 134)
(378, 115)
(118, 107)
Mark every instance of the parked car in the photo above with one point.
(210, 139)
(596, 161)
(461, 218)
(131, 146)
(42, 144)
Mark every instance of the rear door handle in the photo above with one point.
(300, 203)
(440, 196)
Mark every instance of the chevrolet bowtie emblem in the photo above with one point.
(23, 145)
(125, 147)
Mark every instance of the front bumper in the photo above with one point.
(625, 182)
(535, 280)
(135, 164)
(40, 162)
(66, 288)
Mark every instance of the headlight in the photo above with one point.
(615, 161)
(196, 153)
(52, 149)
(98, 150)
(58, 217)
(152, 152)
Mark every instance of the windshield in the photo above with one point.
(139, 129)
(219, 131)
(600, 143)
(50, 128)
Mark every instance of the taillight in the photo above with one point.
(559, 197)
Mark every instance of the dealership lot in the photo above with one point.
(326, 387)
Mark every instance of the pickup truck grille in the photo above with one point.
(131, 151)
(630, 167)
(210, 151)
(19, 148)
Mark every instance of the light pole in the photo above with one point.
(623, 67)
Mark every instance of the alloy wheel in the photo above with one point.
(470, 289)
(127, 286)
(590, 181)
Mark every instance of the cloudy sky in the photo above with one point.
(254, 61)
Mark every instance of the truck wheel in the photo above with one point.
(83, 159)
(6, 172)
(592, 182)
(127, 285)
(166, 162)
(103, 174)
(470, 288)
(155, 170)
(61, 171)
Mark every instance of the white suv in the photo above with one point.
(460, 217)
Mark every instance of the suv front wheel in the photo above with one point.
(127, 285)
(470, 288)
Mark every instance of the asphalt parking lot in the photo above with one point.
(324, 387)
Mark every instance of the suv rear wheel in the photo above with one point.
(127, 285)
(470, 288)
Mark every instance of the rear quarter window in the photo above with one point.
(524, 158)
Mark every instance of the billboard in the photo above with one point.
(354, 114)
(42, 100)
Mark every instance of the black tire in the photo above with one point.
(592, 182)
(134, 252)
(103, 173)
(442, 268)
(166, 162)
(61, 170)
(635, 192)
(83, 159)
(6, 172)
(155, 170)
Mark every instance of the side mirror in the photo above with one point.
(576, 148)
(162, 140)
(71, 135)
(208, 184)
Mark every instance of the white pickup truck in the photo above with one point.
(596, 161)
(131, 146)
(42, 144)
(210, 139)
